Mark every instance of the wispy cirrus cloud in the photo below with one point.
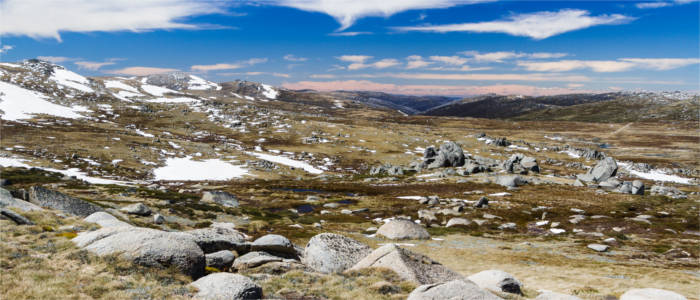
(292, 57)
(500, 56)
(140, 71)
(6, 48)
(416, 62)
(659, 4)
(346, 12)
(412, 89)
(539, 25)
(55, 59)
(228, 66)
(532, 77)
(94, 65)
(603, 66)
(358, 62)
(350, 33)
(273, 74)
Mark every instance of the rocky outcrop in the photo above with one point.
(56, 200)
(148, 247)
(520, 164)
(105, 220)
(602, 171)
(221, 260)
(400, 229)
(449, 154)
(7, 200)
(217, 286)
(14, 217)
(219, 237)
(408, 265)
(498, 281)
(510, 181)
(221, 198)
(333, 253)
(458, 289)
(138, 209)
(388, 169)
(254, 259)
(651, 294)
(273, 243)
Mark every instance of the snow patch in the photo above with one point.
(19, 103)
(72, 80)
(269, 92)
(177, 168)
(655, 175)
(156, 90)
(287, 162)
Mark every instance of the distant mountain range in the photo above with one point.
(61, 86)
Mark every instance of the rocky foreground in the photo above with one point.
(215, 257)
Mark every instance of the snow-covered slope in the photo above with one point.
(18, 103)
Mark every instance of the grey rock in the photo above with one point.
(598, 247)
(59, 201)
(15, 217)
(458, 222)
(138, 209)
(450, 154)
(399, 229)
(221, 260)
(458, 289)
(7, 200)
(637, 187)
(148, 247)
(219, 286)
(602, 171)
(510, 181)
(273, 243)
(408, 265)
(220, 197)
(158, 219)
(498, 281)
(555, 296)
(578, 183)
(651, 294)
(105, 220)
(427, 216)
(668, 191)
(483, 202)
(333, 253)
(215, 238)
(254, 259)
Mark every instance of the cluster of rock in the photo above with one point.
(520, 164)
(603, 174)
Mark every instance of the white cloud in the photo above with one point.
(140, 71)
(6, 48)
(659, 4)
(539, 25)
(93, 66)
(291, 57)
(500, 56)
(416, 61)
(349, 33)
(624, 64)
(47, 19)
(662, 64)
(450, 60)
(360, 62)
(354, 58)
(54, 59)
(346, 12)
(645, 5)
(274, 74)
(228, 66)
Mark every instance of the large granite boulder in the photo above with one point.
(105, 220)
(400, 229)
(498, 281)
(229, 286)
(145, 246)
(458, 289)
(273, 243)
(408, 265)
(56, 200)
(602, 171)
(449, 154)
(333, 253)
(7, 200)
(218, 237)
(651, 294)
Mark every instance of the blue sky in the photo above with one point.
(449, 47)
